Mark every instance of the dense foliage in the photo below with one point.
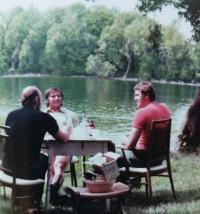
(188, 9)
(99, 41)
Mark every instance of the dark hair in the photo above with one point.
(147, 89)
(50, 91)
(29, 94)
(192, 123)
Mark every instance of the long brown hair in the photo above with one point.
(192, 124)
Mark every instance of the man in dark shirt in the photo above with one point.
(28, 127)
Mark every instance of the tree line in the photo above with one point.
(96, 41)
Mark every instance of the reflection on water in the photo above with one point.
(108, 102)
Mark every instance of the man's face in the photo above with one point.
(139, 99)
(55, 100)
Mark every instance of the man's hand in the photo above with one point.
(63, 134)
(69, 129)
(66, 129)
(124, 139)
(130, 140)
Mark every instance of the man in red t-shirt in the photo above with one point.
(139, 136)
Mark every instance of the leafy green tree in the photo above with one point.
(124, 19)
(4, 60)
(30, 53)
(178, 59)
(7, 17)
(187, 73)
(18, 28)
(188, 9)
(47, 20)
(15, 34)
(33, 44)
(65, 50)
(98, 66)
(139, 34)
(155, 37)
(112, 43)
(97, 19)
(96, 41)
(165, 61)
(150, 66)
(196, 61)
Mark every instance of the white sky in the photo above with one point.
(165, 17)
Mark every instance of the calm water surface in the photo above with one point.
(108, 102)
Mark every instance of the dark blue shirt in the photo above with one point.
(28, 127)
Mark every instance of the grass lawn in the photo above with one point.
(186, 176)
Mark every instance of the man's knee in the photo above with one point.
(60, 167)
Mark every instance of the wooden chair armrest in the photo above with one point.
(5, 170)
(122, 147)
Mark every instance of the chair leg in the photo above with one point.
(4, 192)
(120, 204)
(74, 197)
(12, 201)
(146, 186)
(107, 204)
(73, 174)
(172, 184)
(150, 187)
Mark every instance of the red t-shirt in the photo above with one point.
(143, 120)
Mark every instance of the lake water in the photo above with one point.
(108, 102)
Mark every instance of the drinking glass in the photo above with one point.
(95, 133)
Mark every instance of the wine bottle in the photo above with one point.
(84, 126)
(84, 122)
(91, 124)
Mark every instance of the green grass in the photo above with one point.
(186, 176)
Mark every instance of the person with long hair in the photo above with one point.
(188, 139)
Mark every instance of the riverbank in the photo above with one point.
(158, 81)
(97, 77)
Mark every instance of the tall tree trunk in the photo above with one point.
(125, 75)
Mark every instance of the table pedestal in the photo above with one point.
(81, 194)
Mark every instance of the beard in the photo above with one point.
(39, 105)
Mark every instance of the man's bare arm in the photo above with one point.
(63, 135)
(131, 139)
